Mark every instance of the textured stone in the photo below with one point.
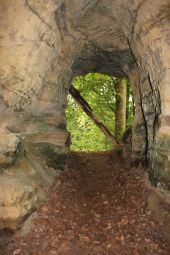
(9, 147)
(21, 189)
(17, 198)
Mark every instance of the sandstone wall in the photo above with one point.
(43, 45)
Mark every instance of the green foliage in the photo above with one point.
(99, 91)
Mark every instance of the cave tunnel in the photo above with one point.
(58, 41)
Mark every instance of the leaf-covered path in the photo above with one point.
(97, 207)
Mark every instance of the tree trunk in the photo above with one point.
(120, 114)
(87, 109)
(127, 101)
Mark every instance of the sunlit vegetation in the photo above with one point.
(100, 91)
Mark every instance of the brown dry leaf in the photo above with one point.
(122, 238)
(52, 252)
(44, 209)
(97, 215)
(64, 247)
(96, 242)
(109, 225)
(124, 222)
(108, 246)
(136, 253)
(85, 239)
(148, 240)
(106, 202)
(17, 251)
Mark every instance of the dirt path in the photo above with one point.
(98, 207)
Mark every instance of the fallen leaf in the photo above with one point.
(17, 251)
(123, 222)
(85, 239)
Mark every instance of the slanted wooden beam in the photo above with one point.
(87, 109)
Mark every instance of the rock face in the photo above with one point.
(60, 39)
(17, 198)
(21, 188)
(9, 147)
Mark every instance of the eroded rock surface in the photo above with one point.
(18, 198)
(44, 44)
(22, 188)
(9, 147)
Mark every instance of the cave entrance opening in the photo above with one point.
(110, 112)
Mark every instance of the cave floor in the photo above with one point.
(97, 207)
